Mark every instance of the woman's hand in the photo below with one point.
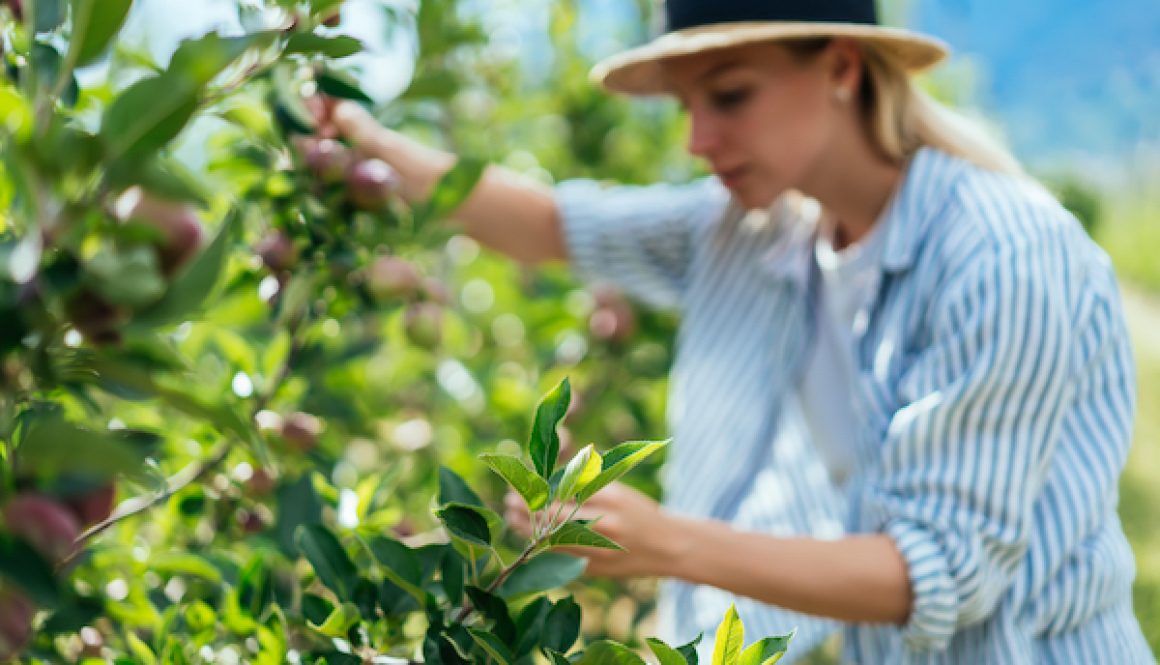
(418, 167)
(637, 523)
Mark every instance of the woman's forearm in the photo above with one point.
(507, 212)
(854, 579)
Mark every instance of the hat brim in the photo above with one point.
(640, 71)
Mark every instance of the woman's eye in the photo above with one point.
(728, 100)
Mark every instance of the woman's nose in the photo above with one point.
(704, 134)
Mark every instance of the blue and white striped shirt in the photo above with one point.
(994, 407)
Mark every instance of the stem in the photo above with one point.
(466, 610)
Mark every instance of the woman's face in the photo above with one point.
(761, 116)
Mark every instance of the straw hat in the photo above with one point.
(696, 26)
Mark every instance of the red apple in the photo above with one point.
(16, 614)
(260, 484)
(95, 318)
(94, 507)
(277, 252)
(328, 159)
(301, 431)
(392, 278)
(370, 184)
(423, 324)
(436, 291)
(179, 224)
(46, 524)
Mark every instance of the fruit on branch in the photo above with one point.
(48, 526)
(423, 324)
(370, 184)
(95, 318)
(301, 431)
(16, 614)
(613, 320)
(250, 521)
(179, 226)
(392, 278)
(277, 252)
(95, 506)
(333, 19)
(260, 483)
(436, 291)
(328, 160)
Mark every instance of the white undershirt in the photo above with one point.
(849, 280)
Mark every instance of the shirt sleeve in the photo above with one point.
(965, 458)
(640, 240)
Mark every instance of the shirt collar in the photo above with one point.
(925, 189)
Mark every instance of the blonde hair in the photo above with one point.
(901, 117)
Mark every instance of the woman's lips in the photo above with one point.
(732, 177)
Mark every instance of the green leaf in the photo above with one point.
(191, 288)
(25, 568)
(666, 655)
(400, 565)
(496, 610)
(689, 651)
(544, 444)
(339, 46)
(544, 572)
(609, 653)
(185, 564)
(199, 61)
(330, 561)
(492, 645)
(465, 523)
(147, 116)
(533, 488)
(340, 621)
(766, 651)
(557, 658)
(130, 277)
(530, 626)
(453, 571)
(95, 23)
(450, 193)
(578, 534)
(730, 638)
(617, 462)
(562, 625)
(337, 83)
(52, 445)
(453, 489)
(582, 469)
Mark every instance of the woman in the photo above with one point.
(940, 331)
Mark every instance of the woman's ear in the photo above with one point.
(844, 69)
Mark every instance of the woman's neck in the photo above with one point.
(854, 187)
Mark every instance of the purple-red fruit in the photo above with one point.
(333, 20)
(277, 252)
(392, 278)
(370, 184)
(260, 484)
(95, 318)
(94, 507)
(17, 7)
(301, 431)
(423, 324)
(436, 291)
(329, 160)
(179, 224)
(48, 526)
(16, 614)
